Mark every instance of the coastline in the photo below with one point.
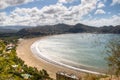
(24, 52)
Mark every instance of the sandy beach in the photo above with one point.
(24, 52)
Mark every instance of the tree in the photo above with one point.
(113, 58)
(21, 71)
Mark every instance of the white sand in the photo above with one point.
(24, 52)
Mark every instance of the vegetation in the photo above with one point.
(63, 28)
(94, 77)
(58, 29)
(13, 68)
(113, 58)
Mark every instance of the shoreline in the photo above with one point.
(37, 52)
(24, 52)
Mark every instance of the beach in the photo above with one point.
(26, 54)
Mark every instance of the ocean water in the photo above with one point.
(80, 51)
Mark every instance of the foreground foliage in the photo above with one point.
(13, 68)
(113, 58)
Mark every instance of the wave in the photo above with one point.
(35, 50)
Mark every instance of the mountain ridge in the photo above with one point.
(64, 28)
(60, 29)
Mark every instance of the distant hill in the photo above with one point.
(15, 28)
(46, 30)
(26, 31)
(8, 31)
(2, 30)
(64, 28)
(110, 29)
(81, 28)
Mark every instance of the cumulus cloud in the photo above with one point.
(2, 17)
(115, 2)
(100, 5)
(7, 3)
(114, 20)
(51, 14)
(65, 1)
(54, 9)
(57, 13)
(100, 11)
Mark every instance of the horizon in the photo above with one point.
(95, 13)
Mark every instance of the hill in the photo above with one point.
(27, 31)
(64, 28)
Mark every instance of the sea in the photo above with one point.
(81, 51)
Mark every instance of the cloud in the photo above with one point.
(65, 1)
(2, 17)
(52, 14)
(57, 13)
(115, 2)
(7, 3)
(54, 9)
(84, 8)
(100, 11)
(114, 20)
(100, 5)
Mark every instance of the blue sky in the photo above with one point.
(44, 12)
